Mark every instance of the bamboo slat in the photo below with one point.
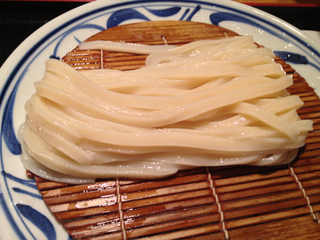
(238, 202)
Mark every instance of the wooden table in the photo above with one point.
(305, 3)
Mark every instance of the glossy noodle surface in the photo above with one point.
(206, 103)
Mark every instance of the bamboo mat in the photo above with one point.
(238, 202)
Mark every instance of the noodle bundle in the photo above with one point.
(206, 103)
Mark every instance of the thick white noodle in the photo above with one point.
(207, 103)
(123, 47)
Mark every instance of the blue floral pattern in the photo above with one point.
(53, 44)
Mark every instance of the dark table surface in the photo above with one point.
(19, 19)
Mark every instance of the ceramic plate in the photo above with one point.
(23, 214)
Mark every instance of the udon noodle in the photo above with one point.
(207, 103)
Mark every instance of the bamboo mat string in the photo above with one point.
(164, 40)
(101, 59)
(218, 204)
(124, 234)
(304, 193)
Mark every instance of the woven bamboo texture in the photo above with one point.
(238, 202)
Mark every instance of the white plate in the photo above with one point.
(23, 214)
